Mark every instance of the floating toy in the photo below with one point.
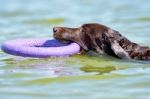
(40, 48)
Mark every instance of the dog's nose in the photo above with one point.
(56, 29)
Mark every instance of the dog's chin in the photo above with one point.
(63, 40)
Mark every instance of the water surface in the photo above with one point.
(78, 76)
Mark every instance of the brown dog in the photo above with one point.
(103, 40)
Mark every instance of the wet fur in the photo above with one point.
(103, 40)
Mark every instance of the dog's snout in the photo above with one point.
(56, 29)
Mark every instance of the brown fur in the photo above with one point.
(103, 40)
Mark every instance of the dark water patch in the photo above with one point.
(14, 14)
(143, 19)
(135, 20)
(100, 70)
(64, 79)
(9, 60)
(55, 21)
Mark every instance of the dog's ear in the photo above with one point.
(82, 39)
(113, 37)
(118, 50)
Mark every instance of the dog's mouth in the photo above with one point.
(63, 40)
(68, 42)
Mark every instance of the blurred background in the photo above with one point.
(35, 18)
(63, 78)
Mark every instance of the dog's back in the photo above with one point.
(134, 50)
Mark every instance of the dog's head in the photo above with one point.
(85, 35)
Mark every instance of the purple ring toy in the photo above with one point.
(40, 48)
